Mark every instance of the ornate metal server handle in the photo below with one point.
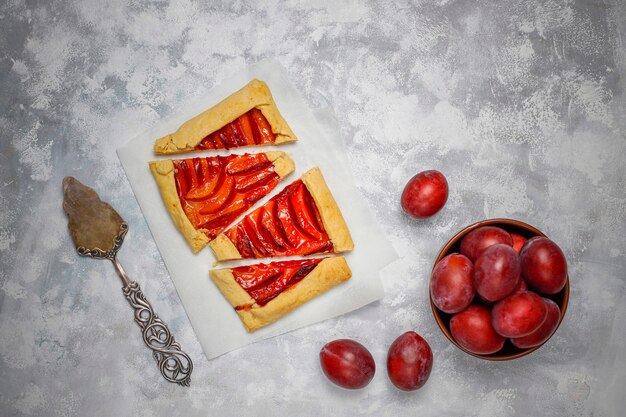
(174, 364)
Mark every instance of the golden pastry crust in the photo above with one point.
(283, 164)
(332, 218)
(255, 94)
(224, 249)
(163, 172)
(334, 223)
(230, 289)
(327, 274)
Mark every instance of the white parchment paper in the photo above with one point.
(319, 144)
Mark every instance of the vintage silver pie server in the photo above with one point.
(98, 232)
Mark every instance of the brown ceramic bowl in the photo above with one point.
(509, 351)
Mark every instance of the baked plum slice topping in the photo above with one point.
(214, 191)
(212, 172)
(251, 128)
(268, 222)
(289, 224)
(307, 219)
(264, 282)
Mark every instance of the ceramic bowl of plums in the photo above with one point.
(499, 289)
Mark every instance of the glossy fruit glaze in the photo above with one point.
(266, 281)
(249, 129)
(214, 191)
(288, 224)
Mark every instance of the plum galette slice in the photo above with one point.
(247, 117)
(302, 219)
(205, 195)
(263, 293)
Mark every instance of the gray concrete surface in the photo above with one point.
(520, 103)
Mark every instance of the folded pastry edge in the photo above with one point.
(255, 94)
(163, 172)
(330, 213)
(329, 273)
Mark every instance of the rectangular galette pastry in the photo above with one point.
(263, 293)
(205, 195)
(302, 219)
(248, 117)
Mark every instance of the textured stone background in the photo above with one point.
(520, 103)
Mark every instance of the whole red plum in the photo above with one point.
(476, 241)
(425, 194)
(451, 287)
(544, 332)
(543, 265)
(409, 361)
(472, 329)
(347, 363)
(519, 314)
(496, 272)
